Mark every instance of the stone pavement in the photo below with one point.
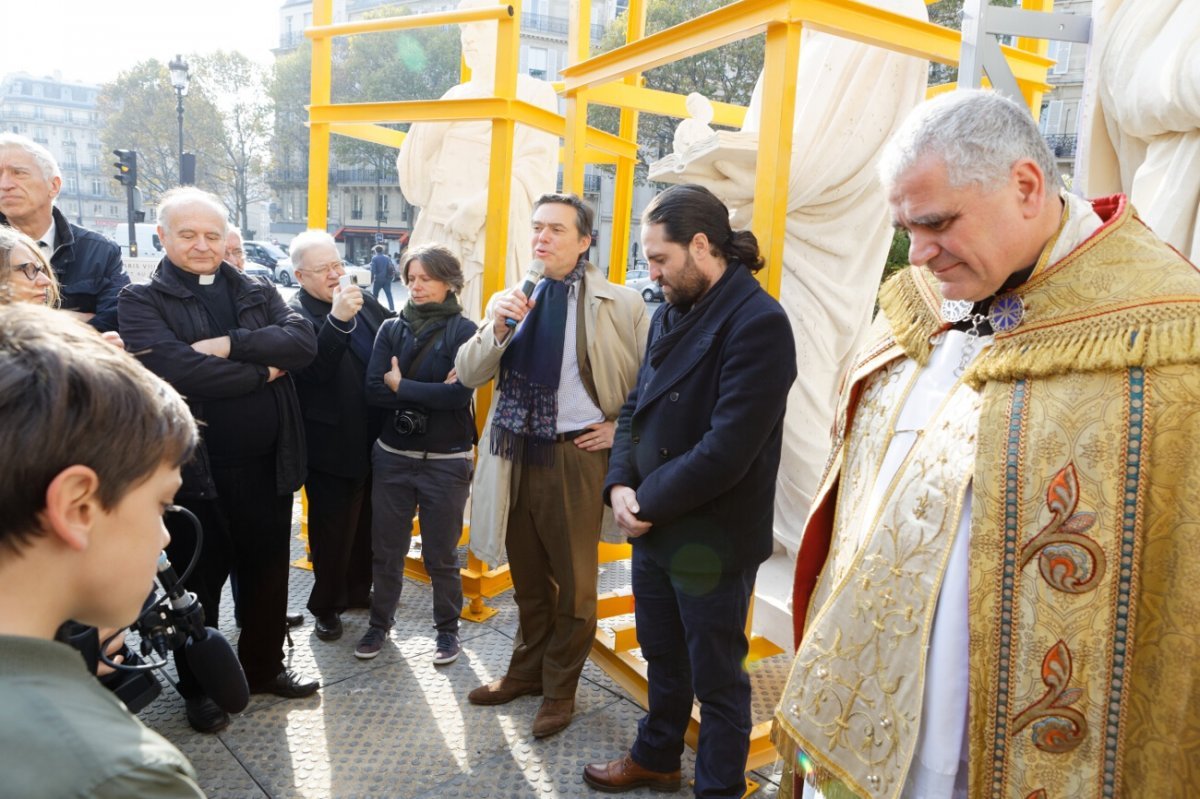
(399, 727)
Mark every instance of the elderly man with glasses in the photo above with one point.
(339, 427)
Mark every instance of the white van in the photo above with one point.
(146, 234)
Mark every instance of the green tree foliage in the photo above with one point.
(390, 66)
(290, 91)
(948, 13)
(226, 124)
(139, 113)
(897, 257)
(726, 74)
(375, 67)
(239, 87)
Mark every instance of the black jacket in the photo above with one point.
(339, 426)
(451, 425)
(89, 271)
(159, 321)
(700, 437)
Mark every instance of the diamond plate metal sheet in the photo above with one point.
(399, 727)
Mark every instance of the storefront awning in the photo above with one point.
(388, 232)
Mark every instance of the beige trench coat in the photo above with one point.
(617, 328)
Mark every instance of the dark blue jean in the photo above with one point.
(386, 287)
(691, 628)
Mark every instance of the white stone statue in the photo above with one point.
(1146, 138)
(696, 128)
(443, 169)
(849, 99)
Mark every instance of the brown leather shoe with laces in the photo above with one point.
(503, 690)
(553, 716)
(622, 774)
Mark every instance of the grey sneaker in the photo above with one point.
(370, 644)
(447, 649)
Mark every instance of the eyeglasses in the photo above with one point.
(320, 270)
(32, 270)
(234, 251)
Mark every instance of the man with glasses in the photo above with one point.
(339, 427)
(88, 265)
(235, 253)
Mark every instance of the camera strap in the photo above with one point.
(449, 334)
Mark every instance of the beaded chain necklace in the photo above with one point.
(1004, 311)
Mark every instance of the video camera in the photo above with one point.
(169, 622)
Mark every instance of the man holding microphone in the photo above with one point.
(564, 361)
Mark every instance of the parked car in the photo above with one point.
(255, 269)
(273, 258)
(361, 275)
(639, 280)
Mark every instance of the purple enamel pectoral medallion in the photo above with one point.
(1006, 313)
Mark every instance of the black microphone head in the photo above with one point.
(218, 671)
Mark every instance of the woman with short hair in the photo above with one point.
(423, 460)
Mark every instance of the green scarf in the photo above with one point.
(418, 316)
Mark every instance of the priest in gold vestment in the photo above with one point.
(998, 590)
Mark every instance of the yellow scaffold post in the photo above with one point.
(366, 121)
(614, 79)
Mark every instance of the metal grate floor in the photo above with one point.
(399, 727)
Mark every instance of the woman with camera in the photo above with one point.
(423, 459)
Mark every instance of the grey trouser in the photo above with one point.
(438, 490)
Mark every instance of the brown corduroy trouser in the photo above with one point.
(553, 532)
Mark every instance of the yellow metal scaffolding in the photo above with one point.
(615, 79)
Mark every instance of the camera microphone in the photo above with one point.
(211, 658)
(535, 272)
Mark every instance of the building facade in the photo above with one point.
(61, 116)
(1059, 119)
(365, 202)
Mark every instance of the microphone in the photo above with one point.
(208, 653)
(536, 270)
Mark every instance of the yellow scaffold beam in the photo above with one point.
(376, 134)
(654, 101)
(358, 117)
(845, 18)
(327, 30)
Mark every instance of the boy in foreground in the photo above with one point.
(92, 445)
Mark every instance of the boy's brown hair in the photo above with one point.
(68, 397)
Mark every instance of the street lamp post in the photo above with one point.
(179, 80)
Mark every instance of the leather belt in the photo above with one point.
(570, 436)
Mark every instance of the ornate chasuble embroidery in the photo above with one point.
(1058, 604)
(1084, 550)
(874, 609)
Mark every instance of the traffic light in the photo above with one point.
(126, 167)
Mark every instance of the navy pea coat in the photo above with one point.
(699, 437)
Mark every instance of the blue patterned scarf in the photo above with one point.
(526, 417)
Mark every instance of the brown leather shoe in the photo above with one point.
(622, 774)
(503, 690)
(553, 716)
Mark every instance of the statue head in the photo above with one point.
(478, 40)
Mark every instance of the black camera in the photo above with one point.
(410, 422)
(136, 689)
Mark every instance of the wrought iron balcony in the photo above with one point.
(1062, 144)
